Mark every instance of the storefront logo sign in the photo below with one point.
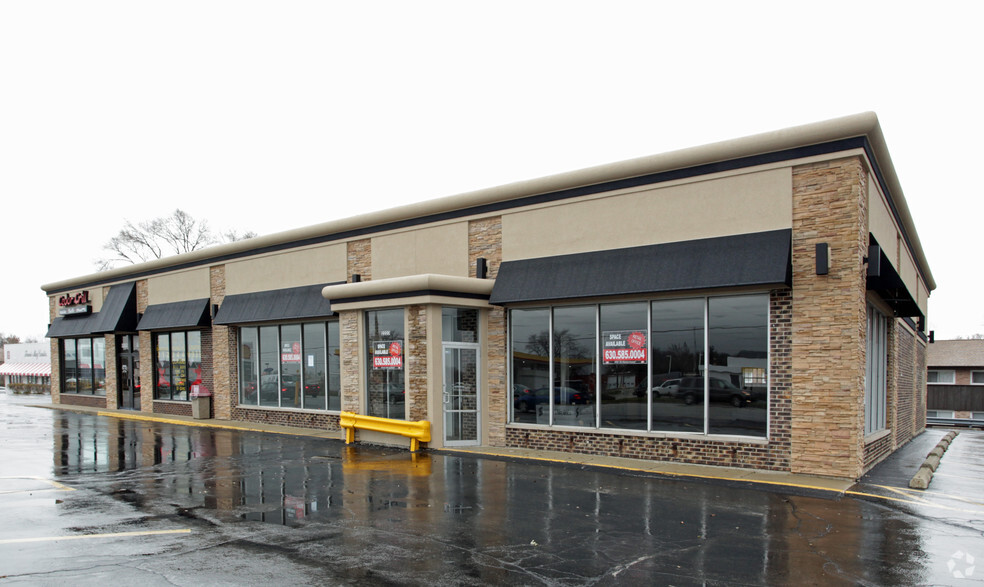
(70, 305)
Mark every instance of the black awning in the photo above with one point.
(889, 286)
(189, 314)
(758, 259)
(293, 303)
(118, 314)
(119, 310)
(70, 326)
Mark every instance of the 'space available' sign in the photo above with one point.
(387, 354)
(624, 346)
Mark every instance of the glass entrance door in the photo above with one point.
(461, 395)
(128, 359)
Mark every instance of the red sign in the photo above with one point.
(387, 354)
(624, 346)
(291, 352)
(74, 300)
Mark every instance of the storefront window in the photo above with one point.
(99, 365)
(459, 325)
(574, 373)
(178, 364)
(84, 366)
(270, 365)
(530, 344)
(677, 357)
(290, 366)
(624, 370)
(70, 367)
(738, 338)
(386, 380)
(662, 365)
(315, 368)
(249, 371)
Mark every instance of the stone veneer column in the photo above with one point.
(55, 353)
(829, 318)
(148, 371)
(359, 259)
(111, 369)
(225, 382)
(485, 240)
(348, 327)
(416, 363)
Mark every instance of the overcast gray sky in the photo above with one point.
(268, 116)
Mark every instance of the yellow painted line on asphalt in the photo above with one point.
(210, 423)
(55, 486)
(91, 536)
(923, 502)
(656, 471)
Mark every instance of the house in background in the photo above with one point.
(955, 380)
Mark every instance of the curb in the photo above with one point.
(925, 474)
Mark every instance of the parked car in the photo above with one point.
(691, 391)
(524, 399)
(668, 387)
(563, 396)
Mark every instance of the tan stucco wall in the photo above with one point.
(292, 268)
(441, 250)
(734, 204)
(881, 223)
(178, 286)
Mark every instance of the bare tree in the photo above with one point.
(161, 237)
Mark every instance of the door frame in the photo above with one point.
(477, 348)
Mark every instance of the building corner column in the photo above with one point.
(829, 318)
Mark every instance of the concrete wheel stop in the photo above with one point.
(925, 474)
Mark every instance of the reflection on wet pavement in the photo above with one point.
(365, 514)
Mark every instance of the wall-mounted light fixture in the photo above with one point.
(356, 278)
(874, 261)
(481, 267)
(823, 259)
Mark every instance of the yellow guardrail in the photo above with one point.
(417, 432)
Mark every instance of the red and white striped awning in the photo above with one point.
(26, 369)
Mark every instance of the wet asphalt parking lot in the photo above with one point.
(88, 499)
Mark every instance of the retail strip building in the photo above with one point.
(756, 303)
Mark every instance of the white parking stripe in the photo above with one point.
(88, 536)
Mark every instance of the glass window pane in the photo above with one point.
(162, 390)
(574, 374)
(386, 375)
(530, 344)
(290, 366)
(194, 359)
(738, 337)
(99, 365)
(179, 366)
(70, 369)
(85, 365)
(677, 356)
(977, 378)
(459, 325)
(334, 367)
(315, 367)
(270, 362)
(625, 357)
(249, 370)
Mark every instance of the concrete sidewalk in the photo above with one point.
(707, 472)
